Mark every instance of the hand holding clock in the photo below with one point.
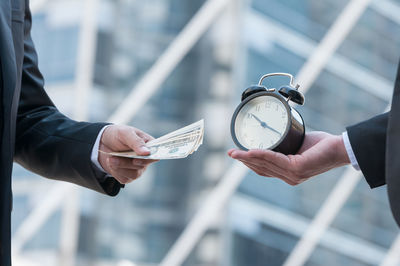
(319, 153)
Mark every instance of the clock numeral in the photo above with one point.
(248, 115)
(276, 107)
(267, 104)
(258, 108)
(261, 146)
(283, 115)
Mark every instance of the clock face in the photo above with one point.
(262, 122)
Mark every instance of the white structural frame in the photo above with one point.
(152, 81)
(37, 5)
(331, 41)
(340, 66)
(68, 245)
(255, 213)
(168, 61)
(393, 256)
(333, 38)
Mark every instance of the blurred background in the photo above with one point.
(159, 65)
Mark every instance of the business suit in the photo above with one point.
(376, 145)
(43, 140)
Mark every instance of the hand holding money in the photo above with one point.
(175, 145)
(121, 138)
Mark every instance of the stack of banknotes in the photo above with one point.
(175, 145)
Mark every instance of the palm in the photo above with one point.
(319, 153)
(312, 139)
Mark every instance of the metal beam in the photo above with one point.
(303, 46)
(330, 208)
(39, 215)
(198, 225)
(258, 213)
(205, 215)
(393, 256)
(84, 75)
(37, 5)
(168, 61)
(146, 87)
(331, 41)
(86, 59)
(343, 189)
(69, 231)
(387, 8)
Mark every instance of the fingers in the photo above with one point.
(263, 171)
(135, 142)
(269, 164)
(231, 151)
(275, 158)
(260, 170)
(251, 156)
(122, 138)
(284, 165)
(146, 137)
(126, 163)
(127, 176)
(124, 175)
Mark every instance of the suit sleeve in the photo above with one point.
(49, 143)
(368, 141)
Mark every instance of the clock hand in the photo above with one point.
(276, 131)
(264, 125)
(259, 120)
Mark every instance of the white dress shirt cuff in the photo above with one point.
(95, 151)
(350, 151)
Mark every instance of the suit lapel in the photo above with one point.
(393, 152)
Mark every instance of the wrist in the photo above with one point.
(95, 151)
(102, 157)
(342, 155)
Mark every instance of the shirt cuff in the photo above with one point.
(95, 153)
(350, 151)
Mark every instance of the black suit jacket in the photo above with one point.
(43, 140)
(376, 145)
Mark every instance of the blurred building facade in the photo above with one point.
(265, 218)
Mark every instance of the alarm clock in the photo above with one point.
(265, 120)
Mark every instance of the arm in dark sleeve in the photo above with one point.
(368, 141)
(47, 142)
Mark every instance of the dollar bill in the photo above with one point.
(175, 145)
(195, 127)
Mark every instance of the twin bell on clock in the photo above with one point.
(265, 120)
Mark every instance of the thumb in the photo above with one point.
(137, 144)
